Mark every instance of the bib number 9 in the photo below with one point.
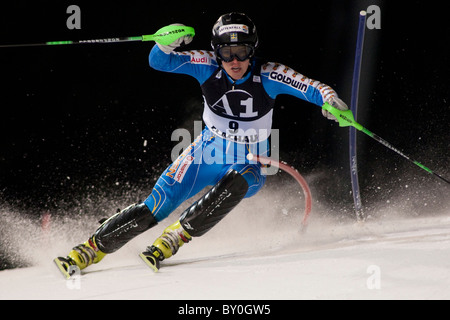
(234, 126)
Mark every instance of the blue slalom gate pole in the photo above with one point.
(354, 107)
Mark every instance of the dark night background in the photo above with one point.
(74, 118)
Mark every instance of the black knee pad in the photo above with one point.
(204, 214)
(124, 226)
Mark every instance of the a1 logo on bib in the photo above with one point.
(235, 104)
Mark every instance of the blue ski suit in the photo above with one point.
(238, 120)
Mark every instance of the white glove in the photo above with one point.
(184, 40)
(338, 104)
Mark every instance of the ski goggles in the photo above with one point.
(241, 52)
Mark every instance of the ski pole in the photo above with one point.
(345, 119)
(165, 36)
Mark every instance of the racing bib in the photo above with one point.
(238, 112)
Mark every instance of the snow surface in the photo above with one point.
(249, 255)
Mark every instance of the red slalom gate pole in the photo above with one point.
(45, 227)
(296, 175)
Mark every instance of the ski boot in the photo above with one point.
(79, 258)
(166, 245)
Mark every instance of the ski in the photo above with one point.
(150, 260)
(67, 269)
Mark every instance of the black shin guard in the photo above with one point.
(123, 226)
(204, 214)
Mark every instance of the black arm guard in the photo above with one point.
(204, 214)
(124, 226)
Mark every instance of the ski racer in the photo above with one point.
(239, 93)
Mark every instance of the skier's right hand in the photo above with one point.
(338, 104)
(184, 40)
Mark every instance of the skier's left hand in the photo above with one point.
(338, 104)
(184, 40)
